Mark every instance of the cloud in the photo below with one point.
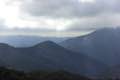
(59, 8)
(59, 15)
(69, 8)
(96, 22)
(2, 24)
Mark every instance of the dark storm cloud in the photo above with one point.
(61, 8)
(70, 8)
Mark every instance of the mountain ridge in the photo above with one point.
(102, 44)
(49, 55)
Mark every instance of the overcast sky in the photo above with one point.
(57, 17)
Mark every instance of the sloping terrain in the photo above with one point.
(10, 74)
(48, 55)
(102, 44)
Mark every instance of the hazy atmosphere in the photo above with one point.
(57, 18)
(59, 39)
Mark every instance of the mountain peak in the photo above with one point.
(103, 44)
(107, 30)
(46, 44)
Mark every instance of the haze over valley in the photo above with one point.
(59, 39)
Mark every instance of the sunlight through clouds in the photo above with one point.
(9, 12)
(59, 15)
(87, 1)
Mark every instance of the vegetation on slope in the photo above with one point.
(9, 74)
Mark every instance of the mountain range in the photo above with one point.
(26, 41)
(91, 55)
(49, 56)
(102, 44)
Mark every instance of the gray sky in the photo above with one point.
(60, 18)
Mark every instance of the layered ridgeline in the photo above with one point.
(49, 56)
(102, 44)
(26, 41)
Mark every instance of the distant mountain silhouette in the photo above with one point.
(50, 56)
(102, 44)
(27, 41)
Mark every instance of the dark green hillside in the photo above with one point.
(8, 74)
